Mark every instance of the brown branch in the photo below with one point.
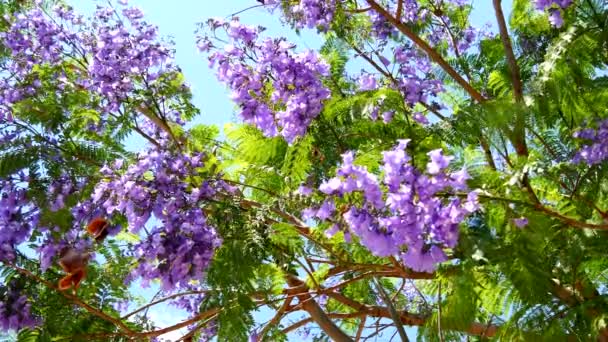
(277, 317)
(317, 314)
(482, 140)
(188, 336)
(431, 53)
(305, 321)
(358, 10)
(506, 43)
(541, 208)
(568, 220)
(455, 45)
(270, 192)
(434, 111)
(160, 123)
(361, 277)
(487, 152)
(294, 221)
(360, 329)
(399, 10)
(484, 145)
(147, 137)
(410, 319)
(519, 131)
(205, 315)
(375, 65)
(392, 311)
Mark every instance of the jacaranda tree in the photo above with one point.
(415, 171)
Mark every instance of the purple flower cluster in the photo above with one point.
(413, 77)
(122, 53)
(555, 8)
(110, 56)
(58, 191)
(15, 311)
(180, 248)
(411, 213)
(277, 90)
(381, 28)
(17, 217)
(597, 151)
(307, 13)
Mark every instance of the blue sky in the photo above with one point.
(177, 19)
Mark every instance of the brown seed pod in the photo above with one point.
(98, 228)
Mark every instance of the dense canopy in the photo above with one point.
(415, 176)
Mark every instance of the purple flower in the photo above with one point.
(520, 222)
(438, 161)
(326, 210)
(555, 18)
(388, 116)
(332, 231)
(420, 118)
(15, 311)
(307, 13)
(180, 247)
(367, 82)
(423, 258)
(304, 190)
(597, 151)
(254, 337)
(555, 8)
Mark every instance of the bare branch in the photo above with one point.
(317, 314)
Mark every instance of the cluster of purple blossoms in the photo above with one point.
(152, 190)
(277, 90)
(413, 81)
(58, 191)
(367, 82)
(597, 151)
(17, 217)
(459, 40)
(555, 8)
(414, 70)
(307, 13)
(15, 310)
(122, 54)
(111, 56)
(381, 28)
(410, 13)
(411, 213)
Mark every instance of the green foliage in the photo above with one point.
(543, 282)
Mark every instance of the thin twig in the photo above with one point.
(392, 311)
